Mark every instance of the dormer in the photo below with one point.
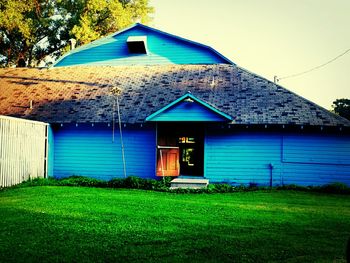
(137, 44)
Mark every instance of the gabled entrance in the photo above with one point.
(180, 149)
(180, 135)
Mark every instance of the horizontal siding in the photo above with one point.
(316, 159)
(231, 157)
(243, 158)
(188, 111)
(89, 151)
(315, 149)
(315, 174)
(162, 50)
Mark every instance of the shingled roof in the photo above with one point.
(82, 94)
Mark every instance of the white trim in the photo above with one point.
(22, 120)
(167, 147)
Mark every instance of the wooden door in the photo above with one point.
(168, 162)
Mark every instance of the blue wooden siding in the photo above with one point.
(243, 158)
(51, 149)
(320, 159)
(231, 157)
(293, 145)
(188, 111)
(89, 151)
(162, 49)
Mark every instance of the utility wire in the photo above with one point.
(312, 69)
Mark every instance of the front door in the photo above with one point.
(168, 161)
(191, 156)
(180, 150)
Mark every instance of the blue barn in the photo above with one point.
(182, 110)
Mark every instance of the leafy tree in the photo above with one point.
(31, 30)
(21, 26)
(342, 107)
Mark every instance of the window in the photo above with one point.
(137, 44)
(187, 140)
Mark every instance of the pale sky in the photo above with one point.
(271, 37)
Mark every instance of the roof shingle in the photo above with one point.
(81, 94)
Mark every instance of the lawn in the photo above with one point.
(60, 224)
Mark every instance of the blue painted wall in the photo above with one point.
(89, 151)
(51, 150)
(318, 153)
(230, 156)
(163, 49)
(317, 158)
(241, 158)
(245, 157)
(188, 111)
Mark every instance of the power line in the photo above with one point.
(312, 69)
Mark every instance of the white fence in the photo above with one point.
(23, 150)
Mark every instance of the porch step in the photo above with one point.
(193, 183)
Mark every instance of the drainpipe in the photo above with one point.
(271, 177)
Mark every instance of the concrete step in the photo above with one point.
(193, 183)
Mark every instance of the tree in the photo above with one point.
(342, 107)
(31, 30)
(101, 17)
(21, 24)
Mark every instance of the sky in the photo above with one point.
(271, 38)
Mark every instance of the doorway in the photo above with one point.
(180, 150)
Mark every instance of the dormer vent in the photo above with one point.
(137, 44)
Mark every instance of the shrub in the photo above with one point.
(140, 183)
(337, 188)
(116, 183)
(292, 187)
(81, 181)
(253, 185)
(133, 182)
(39, 182)
(146, 184)
(164, 183)
(220, 188)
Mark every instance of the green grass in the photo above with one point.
(60, 224)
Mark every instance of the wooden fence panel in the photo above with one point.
(23, 150)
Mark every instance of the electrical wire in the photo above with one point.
(314, 68)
